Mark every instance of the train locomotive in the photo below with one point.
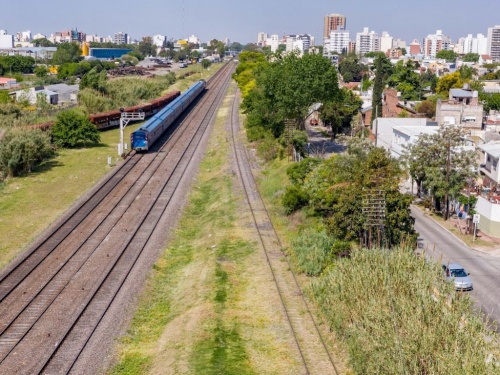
(145, 136)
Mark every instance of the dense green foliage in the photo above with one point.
(286, 88)
(338, 114)
(448, 55)
(397, 316)
(351, 68)
(21, 150)
(334, 189)
(67, 53)
(73, 129)
(16, 64)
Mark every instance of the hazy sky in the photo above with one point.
(242, 20)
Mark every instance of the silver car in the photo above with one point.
(456, 273)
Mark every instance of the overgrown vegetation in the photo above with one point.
(21, 151)
(398, 316)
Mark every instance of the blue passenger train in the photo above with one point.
(145, 136)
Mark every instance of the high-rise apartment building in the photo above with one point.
(386, 42)
(470, 44)
(121, 38)
(262, 39)
(434, 43)
(367, 41)
(337, 43)
(494, 42)
(333, 22)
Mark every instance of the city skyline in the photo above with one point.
(240, 22)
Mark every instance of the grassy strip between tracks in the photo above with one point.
(209, 307)
(29, 204)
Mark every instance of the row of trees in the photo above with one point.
(276, 88)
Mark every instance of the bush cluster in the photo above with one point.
(21, 150)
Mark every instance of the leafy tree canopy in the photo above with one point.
(471, 57)
(67, 53)
(448, 55)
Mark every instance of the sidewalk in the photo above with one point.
(483, 243)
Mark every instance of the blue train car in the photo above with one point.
(145, 136)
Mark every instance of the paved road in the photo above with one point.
(484, 269)
(321, 145)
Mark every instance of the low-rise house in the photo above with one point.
(461, 109)
(65, 93)
(489, 166)
(32, 94)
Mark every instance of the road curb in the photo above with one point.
(453, 234)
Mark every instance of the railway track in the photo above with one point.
(310, 345)
(56, 296)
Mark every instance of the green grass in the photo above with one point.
(196, 279)
(29, 204)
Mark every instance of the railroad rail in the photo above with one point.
(310, 345)
(56, 296)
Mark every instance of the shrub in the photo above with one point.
(73, 128)
(398, 316)
(267, 149)
(297, 172)
(21, 150)
(294, 199)
(313, 251)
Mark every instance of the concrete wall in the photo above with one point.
(489, 222)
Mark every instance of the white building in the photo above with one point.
(159, 40)
(338, 42)
(262, 39)
(6, 40)
(273, 42)
(193, 40)
(434, 43)
(494, 42)
(367, 41)
(470, 44)
(298, 43)
(121, 38)
(93, 38)
(399, 43)
(405, 136)
(384, 130)
(39, 36)
(386, 42)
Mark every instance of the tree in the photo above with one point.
(205, 63)
(286, 88)
(339, 113)
(95, 80)
(337, 187)
(406, 80)
(67, 53)
(351, 69)
(41, 71)
(471, 57)
(21, 150)
(439, 162)
(378, 88)
(427, 107)
(73, 128)
(146, 47)
(449, 81)
(448, 55)
(42, 42)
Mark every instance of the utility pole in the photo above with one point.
(448, 166)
